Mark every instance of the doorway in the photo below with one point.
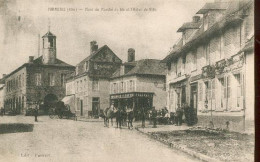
(194, 99)
(81, 107)
(95, 106)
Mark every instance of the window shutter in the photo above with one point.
(228, 37)
(209, 91)
(200, 91)
(213, 89)
(214, 45)
(225, 87)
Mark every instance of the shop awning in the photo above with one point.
(69, 100)
(181, 78)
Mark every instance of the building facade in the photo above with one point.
(139, 84)
(212, 67)
(39, 81)
(90, 83)
(2, 94)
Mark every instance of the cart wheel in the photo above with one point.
(51, 114)
(60, 116)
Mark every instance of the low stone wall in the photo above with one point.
(232, 123)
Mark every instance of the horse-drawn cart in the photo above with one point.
(61, 110)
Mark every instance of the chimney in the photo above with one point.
(196, 19)
(93, 47)
(31, 59)
(4, 75)
(131, 55)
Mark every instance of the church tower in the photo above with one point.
(49, 48)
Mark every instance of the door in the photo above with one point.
(183, 94)
(193, 99)
(81, 107)
(95, 106)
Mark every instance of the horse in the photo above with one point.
(130, 117)
(107, 114)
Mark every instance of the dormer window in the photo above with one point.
(122, 70)
(86, 65)
(77, 70)
(95, 66)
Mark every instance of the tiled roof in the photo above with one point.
(190, 25)
(201, 35)
(145, 67)
(58, 62)
(92, 55)
(49, 34)
(213, 6)
(38, 62)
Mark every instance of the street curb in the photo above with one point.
(181, 148)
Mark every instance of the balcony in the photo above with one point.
(208, 71)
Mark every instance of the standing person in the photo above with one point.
(187, 113)
(143, 116)
(2, 111)
(179, 113)
(36, 113)
(154, 117)
(118, 117)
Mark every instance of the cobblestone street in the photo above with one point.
(68, 140)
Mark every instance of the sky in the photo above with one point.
(151, 33)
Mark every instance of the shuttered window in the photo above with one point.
(214, 44)
(228, 37)
(213, 89)
(228, 87)
(200, 91)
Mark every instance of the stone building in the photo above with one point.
(39, 81)
(2, 94)
(90, 83)
(139, 84)
(212, 66)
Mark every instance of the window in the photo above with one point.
(95, 66)
(77, 70)
(228, 37)
(206, 52)
(228, 87)
(19, 81)
(239, 89)
(16, 82)
(62, 79)
(38, 79)
(114, 88)
(200, 91)
(213, 89)
(132, 86)
(194, 61)
(222, 84)
(122, 87)
(77, 86)
(80, 88)
(85, 84)
(51, 79)
(207, 91)
(86, 65)
(23, 80)
(95, 85)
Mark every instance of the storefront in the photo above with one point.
(135, 100)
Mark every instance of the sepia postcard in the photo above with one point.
(127, 80)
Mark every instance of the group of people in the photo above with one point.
(189, 114)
